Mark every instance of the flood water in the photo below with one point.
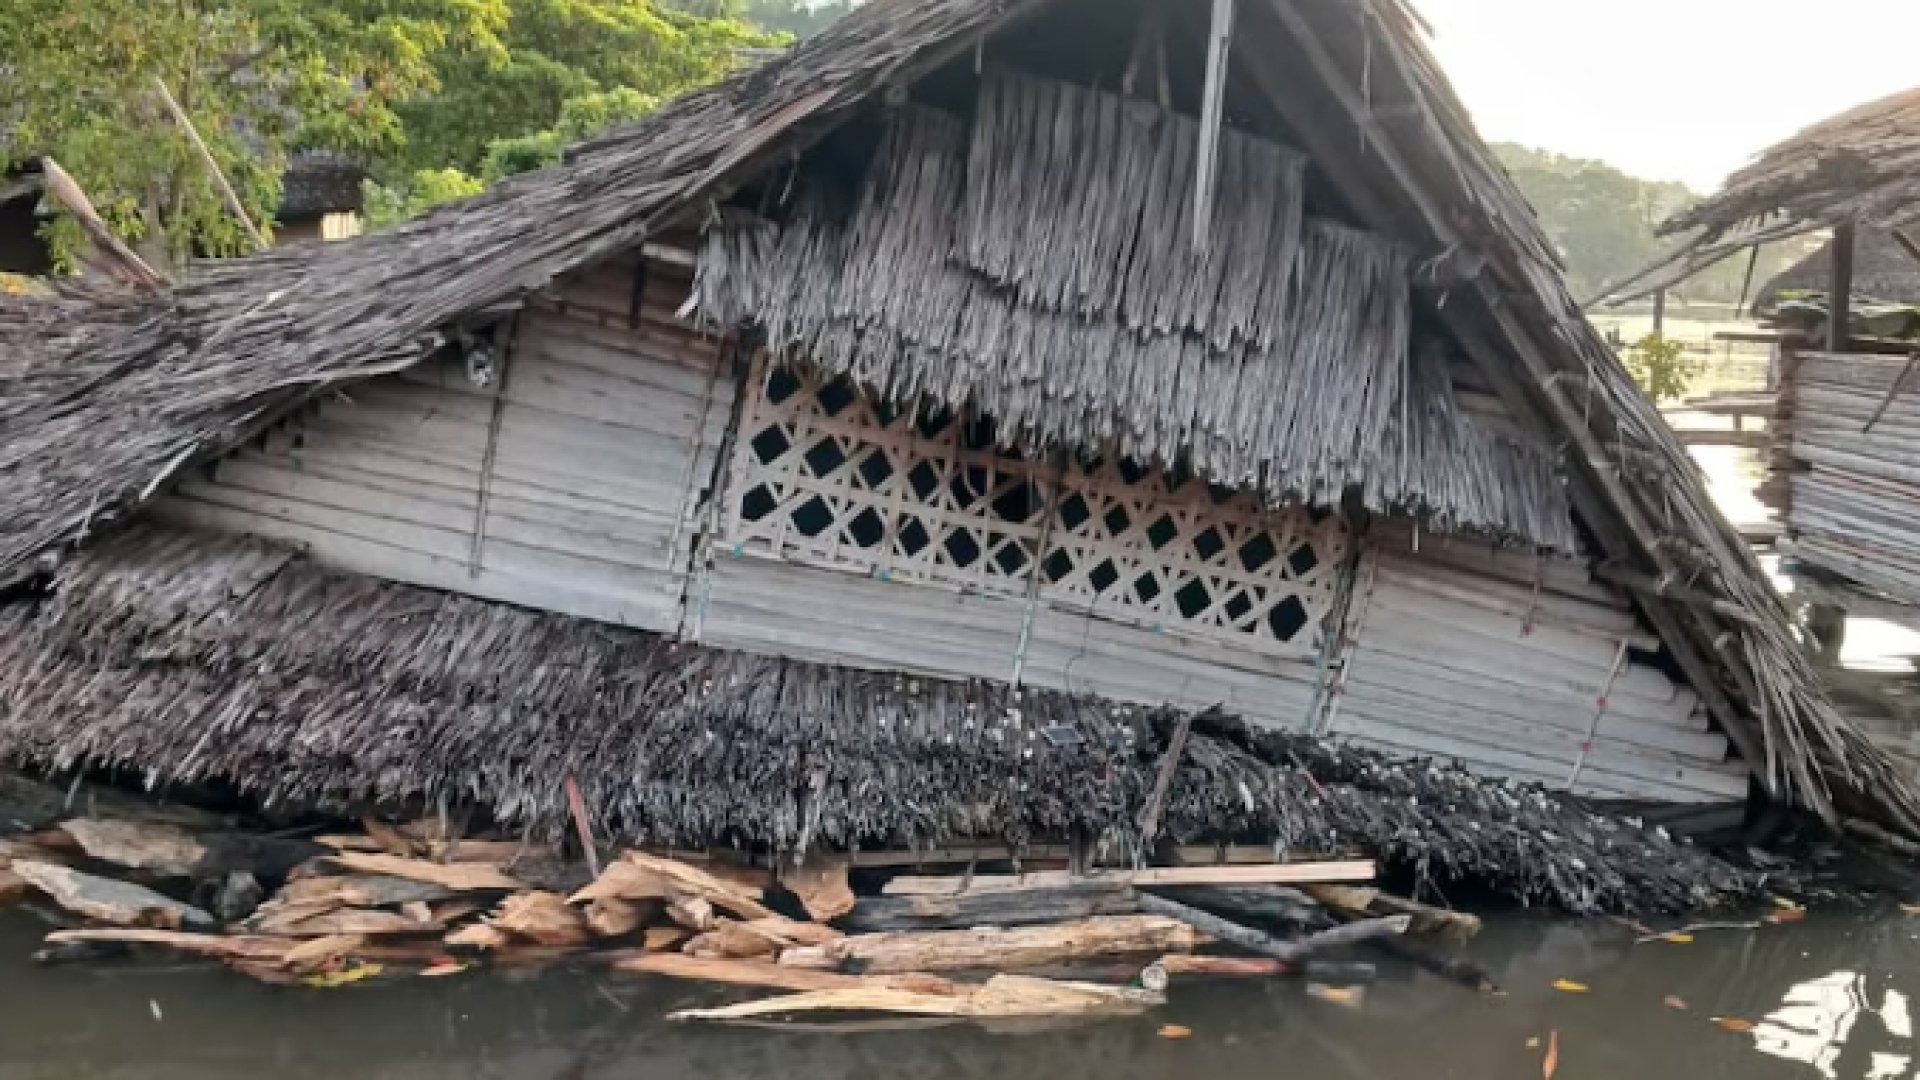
(1827, 997)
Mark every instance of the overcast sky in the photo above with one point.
(1669, 89)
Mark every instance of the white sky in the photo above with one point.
(1669, 89)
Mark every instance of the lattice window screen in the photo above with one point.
(824, 475)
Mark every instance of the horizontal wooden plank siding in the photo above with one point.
(1854, 502)
(603, 445)
(1514, 666)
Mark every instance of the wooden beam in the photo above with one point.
(227, 194)
(1840, 290)
(1273, 874)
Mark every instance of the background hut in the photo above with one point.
(1002, 371)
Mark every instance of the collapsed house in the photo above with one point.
(1844, 420)
(885, 444)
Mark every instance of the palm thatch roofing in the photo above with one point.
(103, 401)
(188, 657)
(1883, 269)
(1859, 168)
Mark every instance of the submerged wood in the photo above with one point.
(109, 901)
(1291, 952)
(1001, 996)
(997, 948)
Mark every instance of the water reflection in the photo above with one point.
(1831, 1021)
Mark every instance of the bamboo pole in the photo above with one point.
(114, 258)
(227, 193)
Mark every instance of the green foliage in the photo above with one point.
(561, 55)
(1602, 221)
(256, 76)
(423, 191)
(1661, 367)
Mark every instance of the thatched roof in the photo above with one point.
(1860, 168)
(1882, 269)
(97, 417)
(317, 183)
(187, 657)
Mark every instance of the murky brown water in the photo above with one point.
(1828, 997)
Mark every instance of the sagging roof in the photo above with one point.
(1860, 168)
(190, 657)
(99, 416)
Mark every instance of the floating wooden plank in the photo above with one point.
(109, 901)
(362, 890)
(1427, 919)
(235, 946)
(339, 922)
(154, 846)
(1004, 996)
(1170, 876)
(1291, 952)
(771, 976)
(1080, 900)
(461, 877)
(994, 948)
(1229, 966)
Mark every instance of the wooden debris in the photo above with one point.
(1001, 996)
(302, 922)
(390, 840)
(156, 847)
(1270, 874)
(755, 973)
(1237, 966)
(786, 932)
(543, 918)
(234, 946)
(695, 915)
(663, 938)
(109, 901)
(613, 918)
(1255, 903)
(684, 880)
(729, 940)
(623, 880)
(363, 890)
(949, 950)
(821, 886)
(324, 949)
(12, 886)
(460, 877)
(1268, 945)
(479, 935)
(1360, 902)
(1048, 904)
(503, 853)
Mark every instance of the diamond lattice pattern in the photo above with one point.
(824, 475)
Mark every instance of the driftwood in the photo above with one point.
(1001, 996)
(1271, 874)
(138, 845)
(1292, 952)
(1049, 904)
(1256, 903)
(109, 901)
(306, 921)
(324, 950)
(460, 877)
(728, 940)
(695, 915)
(480, 935)
(1236, 966)
(993, 948)
(362, 890)
(663, 938)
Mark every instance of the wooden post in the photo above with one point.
(227, 193)
(1840, 291)
(1660, 313)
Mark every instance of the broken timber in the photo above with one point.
(1270, 874)
(989, 947)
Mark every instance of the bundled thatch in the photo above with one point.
(1009, 278)
(192, 657)
(130, 395)
(1859, 168)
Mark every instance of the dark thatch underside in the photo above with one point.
(96, 416)
(318, 183)
(188, 657)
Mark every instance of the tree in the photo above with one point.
(256, 76)
(801, 18)
(556, 52)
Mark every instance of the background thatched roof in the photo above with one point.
(1882, 269)
(318, 183)
(97, 416)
